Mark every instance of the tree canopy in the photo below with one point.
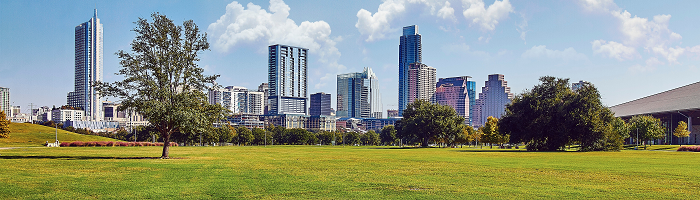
(552, 115)
(4, 125)
(425, 122)
(681, 130)
(162, 81)
(647, 127)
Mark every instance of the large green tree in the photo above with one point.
(162, 81)
(388, 135)
(646, 127)
(427, 121)
(552, 115)
(4, 125)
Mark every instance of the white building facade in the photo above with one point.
(287, 80)
(62, 115)
(239, 100)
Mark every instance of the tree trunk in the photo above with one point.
(166, 148)
(425, 142)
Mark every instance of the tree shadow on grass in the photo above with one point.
(402, 147)
(80, 157)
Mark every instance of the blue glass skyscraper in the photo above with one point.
(409, 52)
(471, 92)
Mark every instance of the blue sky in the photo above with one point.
(628, 49)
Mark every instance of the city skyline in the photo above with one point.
(577, 40)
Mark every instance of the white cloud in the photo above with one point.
(645, 32)
(650, 65)
(541, 51)
(256, 26)
(652, 35)
(375, 26)
(328, 77)
(464, 49)
(486, 18)
(671, 54)
(599, 5)
(446, 12)
(522, 28)
(641, 68)
(614, 50)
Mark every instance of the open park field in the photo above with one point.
(336, 172)
(33, 135)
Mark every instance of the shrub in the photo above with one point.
(109, 144)
(121, 144)
(101, 144)
(689, 148)
(90, 144)
(65, 144)
(77, 144)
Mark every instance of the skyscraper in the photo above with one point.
(579, 85)
(88, 69)
(320, 104)
(287, 69)
(454, 92)
(421, 82)
(409, 52)
(5, 101)
(358, 95)
(494, 97)
(471, 92)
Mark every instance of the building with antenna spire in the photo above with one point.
(88, 69)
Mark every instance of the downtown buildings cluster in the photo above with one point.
(284, 99)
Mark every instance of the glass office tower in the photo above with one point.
(409, 52)
(88, 69)
(358, 95)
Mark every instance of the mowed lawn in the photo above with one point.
(34, 135)
(325, 172)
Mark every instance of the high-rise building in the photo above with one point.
(409, 52)
(320, 104)
(264, 88)
(358, 95)
(5, 101)
(88, 69)
(392, 113)
(579, 85)
(421, 82)
(238, 100)
(494, 97)
(287, 69)
(454, 92)
(471, 92)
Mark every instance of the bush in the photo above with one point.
(65, 144)
(101, 144)
(90, 144)
(689, 148)
(77, 144)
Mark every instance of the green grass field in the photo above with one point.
(34, 135)
(324, 172)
